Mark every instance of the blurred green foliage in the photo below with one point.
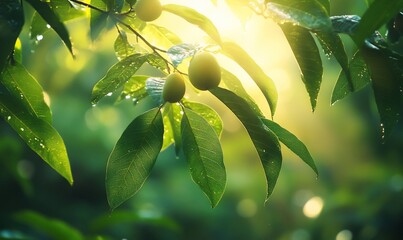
(358, 193)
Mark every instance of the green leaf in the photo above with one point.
(133, 157)
(98, 20)
(172, 119)
(359, 78)
(203, 153)
(345, 24)
(134, 88)
(11, 23)
(387, 78)
(207, 113)
(62, 8)
(265, 141)
(292, 142)
(195, 18)
(53, 228)
(38, 134)
(234, 84)
(266, 84)
(307, 54)
(325, 4)
(160, 36)
(22, 85)
(122, 46)
(304, 13)
(53, 20)
(119, 74)
(378, 13)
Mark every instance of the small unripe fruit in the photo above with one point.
(204, 71)
(174, 88)
(148, 10)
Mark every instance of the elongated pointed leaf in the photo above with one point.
(11, 22)
(304, 13)
(266, 84)
(173, 118)
(53, 20)
(264, 140)
(22, 85)
(119, 74)
(98, 19)
(38, 134)
(378, 13)
(387, 79)
(307, 54)
(134, 88)
(235, 85)
(207, 113)
(133, 157)
(122, 46)
(292, 142)
(53, 228)
(360, 77)
(194, 17)
(203, 153)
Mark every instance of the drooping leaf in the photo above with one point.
(38, 134)
(119, 74)
(378, 13)
(11, 22)
(122, 46)
(203, 153)
(207, 113)
(234, 84)
(53, 20)
(387, 78)
(307, 54)
(266, 84)
(63, 9)
(359, 78)
(172, 122)
(345, 24)
(98, 19)
(53, 228)
(292, 142)
(22, 85)
(265, 141)
(194, 17)
(134, 88)
(304, 13)
(133, 157)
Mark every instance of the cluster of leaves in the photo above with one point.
(193, 127)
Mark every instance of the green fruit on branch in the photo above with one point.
(174, 88)
(204, 71)
(148, 10)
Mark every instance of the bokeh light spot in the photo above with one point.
(344, 235)
(313, 207)
(247, 208)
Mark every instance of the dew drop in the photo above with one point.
(109, 94)
(8, 118)
(39, 37)
(22, 129)
(94, 105)
(47, 26)
(181, 112)
(127, 97)
(42, 145)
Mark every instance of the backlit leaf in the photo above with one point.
(53, 228)
(207, 113)
(53, 20)
(345, 24)
(265, 141)
(133, 157)
(22, 85)
(119, 74)
(359, 78)
(292, 142)
(172, 119)
(38, 134)
(11, 22)
(134, 88)
(307, 54)
(122, 46)
(266, 84)
(304, 13)
(98, 19)
(203, 153)
(194, 17)
(378, 13)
